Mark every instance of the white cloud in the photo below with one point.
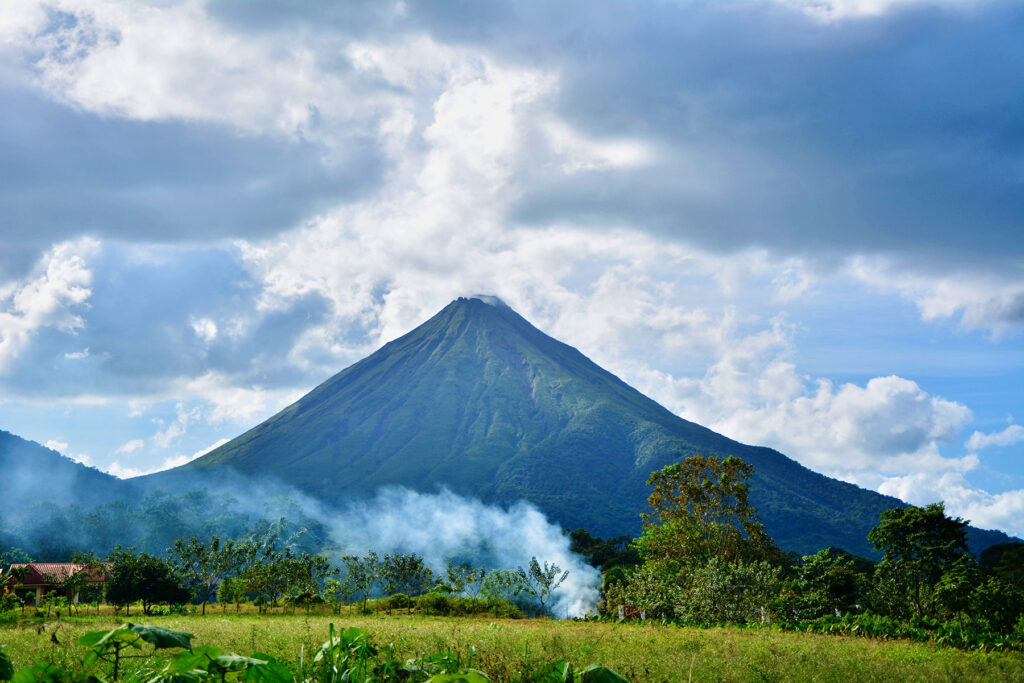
(179, 460)
(226, 401)
(866, 434)
(59, 446)
(120, 471)
(1010, 436)
(204, 328)
(170, 433)
(63, 447)
(978, 300)
(836, 10)
(131, 446)
(51, 297)
(1003, 511)
(154, 62)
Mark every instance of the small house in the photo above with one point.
(43, 577)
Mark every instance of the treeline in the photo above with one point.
(703, 557)
(232, 573)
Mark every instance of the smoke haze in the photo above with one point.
(439, 526)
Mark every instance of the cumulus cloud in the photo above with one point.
(860, 433)
(1010, 436)
(1003, 511)
(991, 301)
(51, 297)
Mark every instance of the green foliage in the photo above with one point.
(276, 573)
(398, 601)
(204, 566)
(361, 573)
(348, 656)
(6, 667)
(107, 646)
(605, 554)
(463, 579)
(231, 591)
(135, 577)
(434, 603)
(405, 572)
(918, 546)
(504, 584)
(541, 581)
(828, 583)
(700, 510)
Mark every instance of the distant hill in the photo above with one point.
(480, 401)
(30, 472)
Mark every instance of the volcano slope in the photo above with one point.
(480, 401)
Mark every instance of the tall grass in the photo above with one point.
(509, 649)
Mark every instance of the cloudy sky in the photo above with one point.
(798, 222)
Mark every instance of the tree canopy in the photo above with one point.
(700, 510)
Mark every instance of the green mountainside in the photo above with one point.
(478, 400)
(30, 472)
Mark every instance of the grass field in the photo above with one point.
(506, 649)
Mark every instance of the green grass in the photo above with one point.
(507, 648)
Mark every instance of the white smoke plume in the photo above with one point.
(443, 525)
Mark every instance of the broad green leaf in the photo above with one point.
(161, 637)
(272, 671)
(464, 676)
(189, 660)
(6, 666)
(103, 639)
(233, 662)
(600, 674)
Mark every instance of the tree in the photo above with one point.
(541, 582)
(405, 573)
(142, 577)
(918, 545)
(464, 579)
(700, 510)
(827, 583)
(12, 556)
(200, 564)
(284, 572)
(230, 590)
(504, 584)
(362, 573)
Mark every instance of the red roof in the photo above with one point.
(49, 573)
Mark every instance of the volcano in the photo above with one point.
(481, 402)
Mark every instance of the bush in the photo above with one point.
(494, 607)
(398, 601)
(434, 603)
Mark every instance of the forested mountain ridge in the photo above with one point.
(30, 472)
(478, 400)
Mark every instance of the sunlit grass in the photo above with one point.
(505, 648)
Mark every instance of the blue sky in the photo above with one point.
(798, 223)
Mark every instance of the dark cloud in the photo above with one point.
(900, 133)
(66, 172)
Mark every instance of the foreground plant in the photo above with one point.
(346, 657)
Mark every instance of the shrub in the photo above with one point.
(434, 603)
(398, 601)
